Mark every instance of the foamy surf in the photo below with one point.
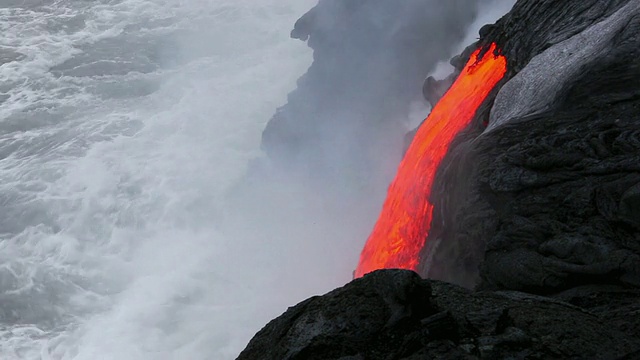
(122, 124)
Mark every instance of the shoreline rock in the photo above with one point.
(394, 314)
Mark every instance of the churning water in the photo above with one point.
(123, 123)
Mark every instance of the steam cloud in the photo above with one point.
(307, 207)
(303, 212)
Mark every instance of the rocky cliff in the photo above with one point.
(545, 197)
(394, 314)
(537, 208)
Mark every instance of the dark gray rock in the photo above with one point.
(364, 318)
(393, 314)
(545, 199)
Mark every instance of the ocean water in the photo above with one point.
(123, 124)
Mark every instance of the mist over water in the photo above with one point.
(123, 123)
(125, 129)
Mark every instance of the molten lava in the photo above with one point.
(401, 231)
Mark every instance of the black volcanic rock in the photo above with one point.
(393, 314)
(546, 197)
(369, 315)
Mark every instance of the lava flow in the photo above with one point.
(401, 231)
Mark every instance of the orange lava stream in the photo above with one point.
(402, 228)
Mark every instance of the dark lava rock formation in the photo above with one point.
(537, 209)
(394, 314)
(546, 197)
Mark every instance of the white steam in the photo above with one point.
(490, 12)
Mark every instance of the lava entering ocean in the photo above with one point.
(402, 228)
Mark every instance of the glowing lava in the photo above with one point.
(403, 226)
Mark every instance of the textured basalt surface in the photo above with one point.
(546, 199)
(394, 314)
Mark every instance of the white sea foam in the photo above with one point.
(113, 196)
